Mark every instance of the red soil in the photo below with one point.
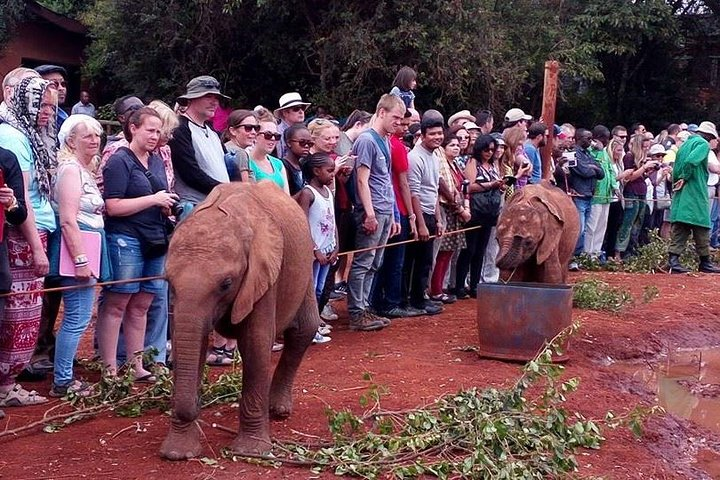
(419, 360)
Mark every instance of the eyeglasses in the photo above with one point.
(249, 128)
(304, 143)
(59, 83)
(271, 136)
(463, 137)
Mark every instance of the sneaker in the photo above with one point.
(430, 308)
(400, 312)
(462, 294)
(328, 314)
(365, 322)
(319, 338)
(340, 289)
(324, 329)
(574, 267)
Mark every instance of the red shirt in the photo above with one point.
(398, 155)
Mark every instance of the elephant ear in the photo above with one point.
(551, 239)
(264, 245)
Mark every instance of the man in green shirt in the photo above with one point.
(604, 190)
(690, 208)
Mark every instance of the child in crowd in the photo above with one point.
(316, 199)
(404, 84)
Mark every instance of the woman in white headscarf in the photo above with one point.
(28, 131)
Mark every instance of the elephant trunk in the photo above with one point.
(189, 339)
(509, 254)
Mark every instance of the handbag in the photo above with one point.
(155, 246)
(487, 203)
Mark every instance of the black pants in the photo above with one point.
(471, 258)
(615, 218)
(418, 263)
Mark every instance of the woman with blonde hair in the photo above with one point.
(636, 169)
(515, 161)
(79, 205)
(615, 150)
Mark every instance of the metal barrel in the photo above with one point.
(516, 319)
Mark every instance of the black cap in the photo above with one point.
(48, 69)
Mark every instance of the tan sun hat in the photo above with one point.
(462, 114)
(708, 128)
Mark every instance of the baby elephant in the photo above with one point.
(241, 263)
(537, 232)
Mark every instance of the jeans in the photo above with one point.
(584, 207)
(634, 206)
(128, 262)
(389, 291)
(320, 273)
(156, 329)
(418, 263)
(77, 312)
(366, 264)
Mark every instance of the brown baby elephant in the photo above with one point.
(241, 263)
(537, 232)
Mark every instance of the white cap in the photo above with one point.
(515, 115)
(657, 149)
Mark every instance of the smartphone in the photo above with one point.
(509, 180)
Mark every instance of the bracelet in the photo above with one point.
(412, 217)
(82, 264)
(81, 259)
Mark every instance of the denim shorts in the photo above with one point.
(128, 262)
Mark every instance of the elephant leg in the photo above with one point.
(298, 337)
(189, 350)
(257, 333)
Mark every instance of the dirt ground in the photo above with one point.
(620, 360)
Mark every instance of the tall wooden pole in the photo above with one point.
(552, 69)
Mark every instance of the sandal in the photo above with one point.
(147, 378)
(217, 357)
(444, 298)
(80, 389)
(19, 397)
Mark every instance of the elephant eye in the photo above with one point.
(225, 285)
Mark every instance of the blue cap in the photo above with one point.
(692, 128)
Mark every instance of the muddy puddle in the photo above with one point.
(687, 384)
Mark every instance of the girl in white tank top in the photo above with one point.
(316, 199)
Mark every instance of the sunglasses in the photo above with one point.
(304, 143)
(463, 137)
(249, 128)
(271, 136)
(488, 149)
(59, 83)
(296, 109)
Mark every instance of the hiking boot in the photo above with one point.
(707, 266)
(674, 265)
(365, 322)
(375, 316)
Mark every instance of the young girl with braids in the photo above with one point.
(316, 200)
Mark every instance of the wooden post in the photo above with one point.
(552, 69)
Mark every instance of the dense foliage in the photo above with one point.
(622, 61)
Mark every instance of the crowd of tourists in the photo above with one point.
(80, 208)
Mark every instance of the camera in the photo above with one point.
(177, 210)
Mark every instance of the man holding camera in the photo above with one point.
(578, 177)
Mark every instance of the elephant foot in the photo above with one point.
(182, 443)
(248, 444)
(281, 406)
